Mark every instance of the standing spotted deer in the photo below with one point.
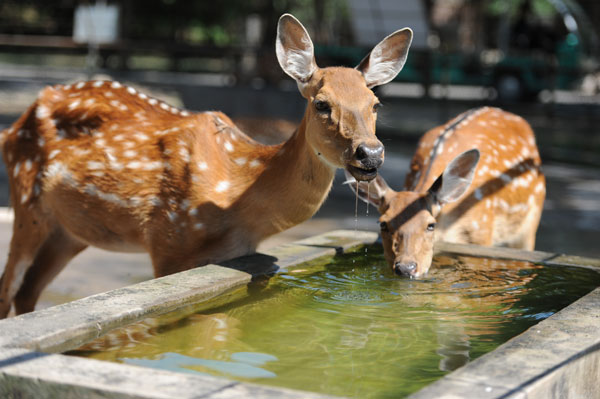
(487, 157)
(98, 163)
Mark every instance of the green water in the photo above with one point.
(347, 326)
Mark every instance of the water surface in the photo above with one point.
(348, 326)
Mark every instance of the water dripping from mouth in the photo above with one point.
(356, 214)
(368, 187)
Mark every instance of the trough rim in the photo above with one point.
(30, 344)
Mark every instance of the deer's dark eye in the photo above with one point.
(384, 226)
(322, 106)
(376, 107)
(431, 227)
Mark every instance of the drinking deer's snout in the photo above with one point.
(407, 269)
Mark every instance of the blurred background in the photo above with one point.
(537, 58)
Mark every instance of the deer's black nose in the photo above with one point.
(405, 269)
(370, 156)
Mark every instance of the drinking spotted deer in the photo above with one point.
(99, 163)
(487, 157)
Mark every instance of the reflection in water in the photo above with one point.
(351, 327)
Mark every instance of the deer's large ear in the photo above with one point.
(456, 179)
(294, 49)
(373, 192)
(386, 59)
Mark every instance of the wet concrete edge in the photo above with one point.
(557, 357)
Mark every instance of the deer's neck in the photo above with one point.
(290, 189)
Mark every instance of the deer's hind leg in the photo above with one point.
(54, 254)
(29, 233)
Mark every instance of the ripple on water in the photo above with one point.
(351, 327)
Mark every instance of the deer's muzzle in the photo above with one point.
(367, 159)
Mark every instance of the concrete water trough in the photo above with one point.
(556, 358)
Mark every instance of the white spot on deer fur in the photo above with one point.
(228, 146)
(81, 152)
(53, 154)
(240, 161)
(67, 87)
(131, 90)
(24, 198)
(475, 224)
(42, 112)
(36, 189)
(16, 169)
(488, 203)
(152, 101)
(185, 204)
(184, 154)
(193, 212)
(115, 85)
(115, 166)
(539, 187)
(142, 96)
(478, 194)
(119, 137)
(89, 102)
(174, 110)
(134, 165)
(128, 144)
(80, 85)
(483, 170)
(130, 153)
(198, 226)
(222, 186)
(95, 165)
(28, 165)
(100, 142)
(98, 83)
(91, 189)
(74, 104)
(141, 136)
(484, 218)
(164, 106)
(58, 169)
(172, 216)
(155, 165)
(185, 113)
(507, 163)
(202, 166)
(254, 163)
